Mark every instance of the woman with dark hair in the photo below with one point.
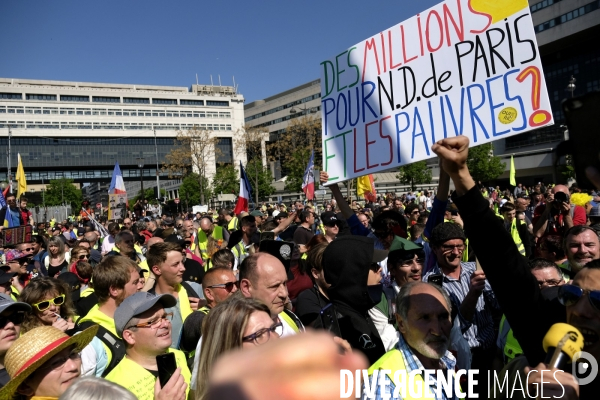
(50, 301)
(310, 302)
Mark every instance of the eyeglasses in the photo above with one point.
(416, 212)
(60, 362)
(569, 295)
(81, 257)
(28, 249)
(262, 336)
(549, 282)
(228, 286)
(16, 318)
(44, 305)
(446, 248)
(21, 261)
(155, 323)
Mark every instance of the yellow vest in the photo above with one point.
(512, 348)
(232, 225)
(184, 303)
(217, 234)
(515, 235)
(139, 381)
(394, 361)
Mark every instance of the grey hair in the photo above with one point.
(403, 298)
(92, 388)
(141, 225)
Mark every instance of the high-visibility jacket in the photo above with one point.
(240, 252)
(217, 234)
(514, 232)
(233, 224)
(138, 380)
(512, 348)
(393, 361)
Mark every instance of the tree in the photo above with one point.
(414, 174)
(226, 180)
(190, 189)
(482, 164)
(293, 149)
(263, 179)
(249, 144)
(194, 151)
(148, 195)
(62, 191)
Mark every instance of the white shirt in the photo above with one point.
(108, 244)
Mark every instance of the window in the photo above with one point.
(98, 111)
(67, 111)
(104, 99)
(136, 100)
(191, 102)
(588, 8)
(164, 101)
(224, 115)
(217, 103)
(75, 98)
(212, 114)
(33, 110)
(11, 96)
(225, 151)
(45, 97)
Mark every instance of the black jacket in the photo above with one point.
(346, 264)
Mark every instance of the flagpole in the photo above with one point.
(9, 159)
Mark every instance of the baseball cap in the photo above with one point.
(6, 302)
(139, 303)
(14, 254)
(329, 218)
(5, 276)
(257, 213)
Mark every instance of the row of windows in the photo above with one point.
(107, 99)
(86, 141)
(113, 112)
(283, 107)
(588, 8)
(285, 118)
(543, 4)
(109, 125)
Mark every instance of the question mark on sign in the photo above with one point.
(539, 117)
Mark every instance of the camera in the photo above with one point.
(560, 197)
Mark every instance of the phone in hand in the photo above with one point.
(329, 320)
(436, 279)
(166, 367)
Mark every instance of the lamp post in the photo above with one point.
(141, 165)
(571, 86)
(157, 173)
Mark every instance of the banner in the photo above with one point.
(462, 67)
(117, 206)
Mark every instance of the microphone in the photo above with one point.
(561, 343)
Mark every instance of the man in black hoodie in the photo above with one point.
(350, 266)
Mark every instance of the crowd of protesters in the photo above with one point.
(87, 305)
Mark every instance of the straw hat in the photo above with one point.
(34, 348)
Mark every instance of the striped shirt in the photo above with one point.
(386, 391)
(480, 331)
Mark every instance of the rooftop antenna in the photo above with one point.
(219, 79)
(197, 79)
(234, 81)
(211, 82)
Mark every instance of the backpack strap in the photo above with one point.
(189, 290)
(114, 344)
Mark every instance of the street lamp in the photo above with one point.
(141, 165)
(571, 86)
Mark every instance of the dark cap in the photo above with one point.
(446, 231)
(6, 276)
(329, 218)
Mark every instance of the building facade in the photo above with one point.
(79, 130)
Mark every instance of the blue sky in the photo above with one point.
(268, 46)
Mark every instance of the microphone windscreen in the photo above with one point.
(557, 332)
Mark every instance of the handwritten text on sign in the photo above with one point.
(463, 67)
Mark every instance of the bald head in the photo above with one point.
(561, 188)
(153, 240)
(91, 237)
(206, 226)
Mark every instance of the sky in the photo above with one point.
(267, 46)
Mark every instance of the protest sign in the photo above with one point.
(462, 67)
(117, 206)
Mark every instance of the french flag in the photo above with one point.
(245, 193)
(308, 183)
(117, 186)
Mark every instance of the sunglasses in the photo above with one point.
(81, 257)
(227, 286)
(28, 249)
(16, 318)
(44, 305)
(569, 295)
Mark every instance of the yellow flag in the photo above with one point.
(513, 181)
(22, 188)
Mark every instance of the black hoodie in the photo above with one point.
(346, 264)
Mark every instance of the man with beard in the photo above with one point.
(423, 316)
(581, 245)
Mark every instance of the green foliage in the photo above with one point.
(148, 195)
(226, 180)
(61, 191)
(483, 166)
(260, 177)
(414, 174)
(189, 191)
